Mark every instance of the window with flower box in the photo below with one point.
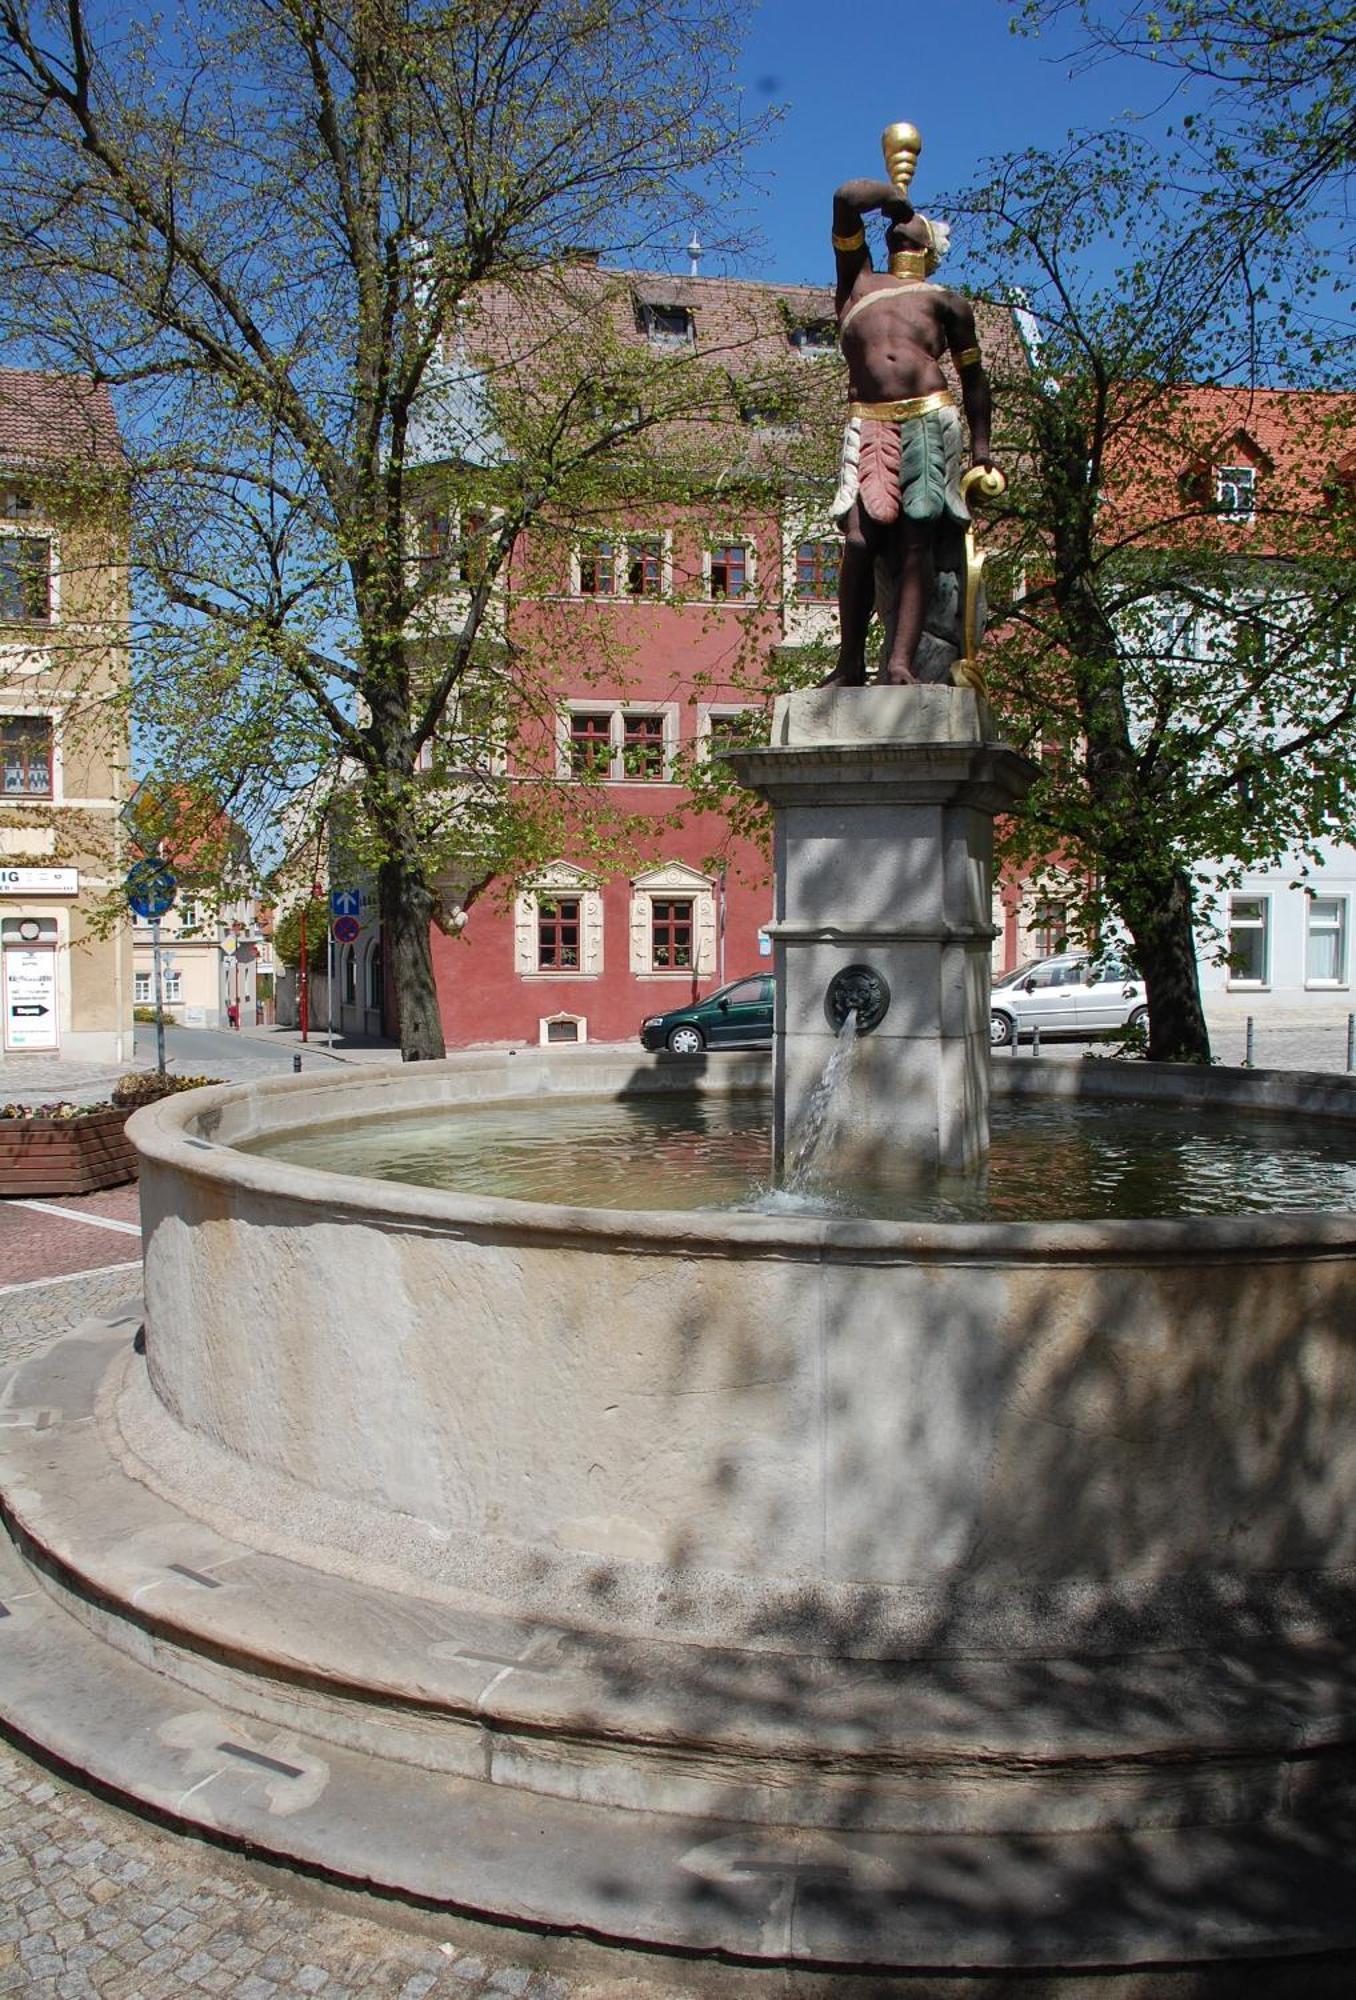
(559, 920)
(671, 933)
(673, 923)
(558, 925)
(26, 743)
(620, 743)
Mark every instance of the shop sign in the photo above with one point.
(39, 881)
(30, 998)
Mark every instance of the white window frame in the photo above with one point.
(1236, 491)
(143, 988)
(664, 537)
(562, 878)
(710, 714)
(57, 796)
(673, 879)
(35, 524)
(1337, 928)
(549, 1021)
(617, 713)
(750, 547)
(171, 986)
(1244, 982)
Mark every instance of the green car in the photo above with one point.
(738, 1016)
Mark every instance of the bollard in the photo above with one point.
(1351, 1041)
(296, 1065)
(1035, 1041)
(1247, 1042)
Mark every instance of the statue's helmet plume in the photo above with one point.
(901, 145)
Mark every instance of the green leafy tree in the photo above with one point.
(1184, 678)
(268, 229)
(1270, 103)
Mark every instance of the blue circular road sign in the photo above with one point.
(150, 887)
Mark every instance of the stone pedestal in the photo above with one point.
(885, 799)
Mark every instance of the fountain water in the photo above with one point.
(824, 1108)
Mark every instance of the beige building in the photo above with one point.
(65, 944)
(214, 955)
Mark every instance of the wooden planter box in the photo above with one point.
(65, 1155)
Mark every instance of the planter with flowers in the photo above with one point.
(66, 1148)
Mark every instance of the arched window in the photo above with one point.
(374, 976)
(350, 976)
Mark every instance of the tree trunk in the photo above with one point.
(1157, 908)
(406, 917)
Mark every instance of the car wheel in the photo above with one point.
(1139, 1019)
(686, 1040)
(1000, 1031)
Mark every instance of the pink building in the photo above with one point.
(664, 635)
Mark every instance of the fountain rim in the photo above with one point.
(169, 1134)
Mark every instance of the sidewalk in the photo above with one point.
(346, 1048)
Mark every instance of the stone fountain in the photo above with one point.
(869, 1602)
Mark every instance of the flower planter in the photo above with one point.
(65, 1155)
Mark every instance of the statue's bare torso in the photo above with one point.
(894, 346)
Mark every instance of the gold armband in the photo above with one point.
(966, 357)
(852, 242)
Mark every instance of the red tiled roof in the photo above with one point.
(50, 420)
(1300, 443)
(739, 327)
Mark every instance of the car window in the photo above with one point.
(747, 993)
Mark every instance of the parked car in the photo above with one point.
(1069, 994)
(738, 1016)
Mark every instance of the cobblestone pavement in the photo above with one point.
(94, 1902)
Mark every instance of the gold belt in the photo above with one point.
(908, 406)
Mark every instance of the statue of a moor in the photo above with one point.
(902, 502)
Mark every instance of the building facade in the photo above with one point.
(669, 632)
(64, 936)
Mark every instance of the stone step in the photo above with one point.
(804, 1897)
(448, 1685)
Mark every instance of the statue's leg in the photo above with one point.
(918, 574)
(856, 595)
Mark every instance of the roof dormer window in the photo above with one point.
(814, 336)
(667, 325)
(1236, 491)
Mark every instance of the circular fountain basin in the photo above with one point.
(848, 1596)
(750, 1430)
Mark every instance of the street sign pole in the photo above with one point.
(329, 985)
(159, 997)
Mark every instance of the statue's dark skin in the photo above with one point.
(894, 351)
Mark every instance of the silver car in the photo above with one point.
(1070, 994)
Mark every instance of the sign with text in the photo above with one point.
(30, 980)
(40, 881)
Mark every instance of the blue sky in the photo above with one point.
(955, 70)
